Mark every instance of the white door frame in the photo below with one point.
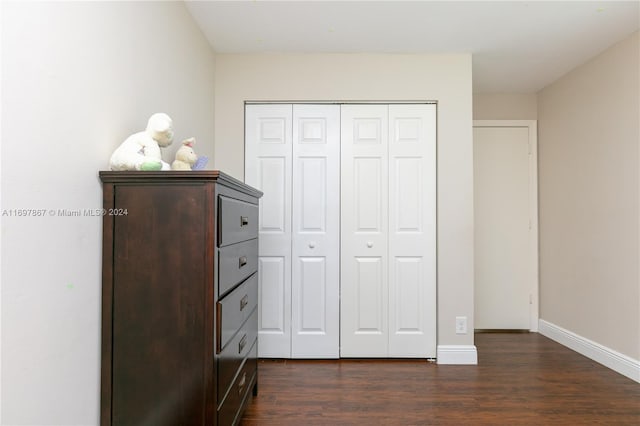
(532, 126)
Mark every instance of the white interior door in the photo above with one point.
(388, 240)
(412, 226)
(293, 156)
(347, 229)
(364, 231)
(315, 283)
(268, 153)
(505, 279)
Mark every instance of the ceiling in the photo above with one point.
(517, 46)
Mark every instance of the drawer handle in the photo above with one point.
(242, 344)
(244, 302)
(242, 382)
(244, 221)
(242, 261)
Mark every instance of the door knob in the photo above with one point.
(312, 244)
(369, 244)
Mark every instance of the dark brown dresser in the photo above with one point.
(179, 298)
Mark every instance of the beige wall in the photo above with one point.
(505, 106)
(335, 77)
(77, 79)
(589, 199)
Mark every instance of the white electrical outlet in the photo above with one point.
(461, 325)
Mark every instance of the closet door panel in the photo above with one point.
(368, 191)
(312, 306)
(364, 231)
(268, 146)
(312, 189)
(273, 176)
(315, 286)
(272, 298)
(369, 309)
(412, 243)
(408, 293)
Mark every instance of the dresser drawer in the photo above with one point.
(238, 221)
(229, 410)
(239, 389)
(235, 263)
(234, 309)
(230, 359)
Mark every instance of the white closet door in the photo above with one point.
(268, 168)
(412, 225)
(364, 217)
(315, 284)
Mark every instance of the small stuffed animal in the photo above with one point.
(141, 151)
(185, 156)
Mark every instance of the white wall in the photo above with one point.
(347, 77)
(77, 79)
(589, 133)
(505, 106)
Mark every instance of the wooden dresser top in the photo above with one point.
(177, 176)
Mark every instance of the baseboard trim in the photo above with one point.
(616, 361)
(457, 355)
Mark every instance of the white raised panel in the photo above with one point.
(408, 129)
(313, 204)
(313, 130)
(409, 293)
(272, 130)
(407, 194)
(274, 307)
(312, 302)
(369, 297)
(272, 294)
(273, 182)
(367, 131)
(367, 192)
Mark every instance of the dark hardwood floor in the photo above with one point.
(521, 379)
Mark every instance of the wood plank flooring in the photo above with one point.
(521, 379)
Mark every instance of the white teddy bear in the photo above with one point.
(185, 156)
(141, 151)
